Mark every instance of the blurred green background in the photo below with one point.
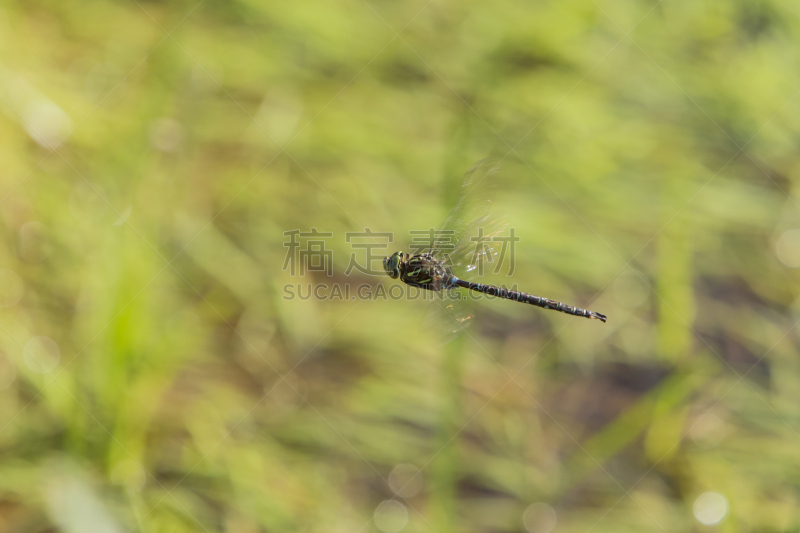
(155, 379)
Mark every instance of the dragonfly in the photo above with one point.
(436, 269)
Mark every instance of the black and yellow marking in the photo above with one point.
(426, 272)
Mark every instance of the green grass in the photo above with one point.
(648, 158)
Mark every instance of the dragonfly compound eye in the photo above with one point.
(392, 265)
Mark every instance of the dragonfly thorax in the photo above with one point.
(421, 270)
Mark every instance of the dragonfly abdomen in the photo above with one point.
(524, 297)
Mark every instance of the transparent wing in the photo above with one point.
(449, 314)
(466, 246)
(465, 242)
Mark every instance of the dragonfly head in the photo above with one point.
(391, 264)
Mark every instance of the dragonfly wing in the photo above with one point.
(470, 226)
(468, 248)
(450, 314)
